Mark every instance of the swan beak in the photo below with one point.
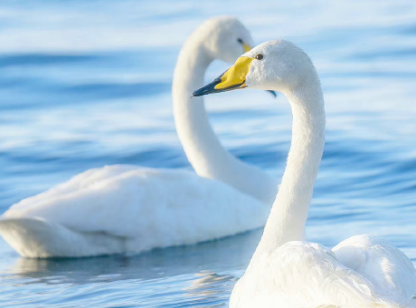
(233, 78)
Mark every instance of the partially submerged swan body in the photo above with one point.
(129, 209)
(285, 271)
(97, 212)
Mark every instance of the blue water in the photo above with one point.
(87, 83)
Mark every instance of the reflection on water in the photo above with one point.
(196, 275)
(147, 266)
(87, 83)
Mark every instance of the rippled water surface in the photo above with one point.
(87, 83)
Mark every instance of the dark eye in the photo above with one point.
(240, 41)
(259, 56)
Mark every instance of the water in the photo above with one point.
(84, 84)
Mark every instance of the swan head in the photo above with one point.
(224, 38)
(276, 65)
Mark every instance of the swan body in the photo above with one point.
(359, 272)
(122, 208)
(285, 270)
(127, 209)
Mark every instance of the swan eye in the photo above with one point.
(240, 41)
(259, 56)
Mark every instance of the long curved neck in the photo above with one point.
(195, 133)
(290, 209)
(202, 147)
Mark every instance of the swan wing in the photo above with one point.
(148, 208)
(386, 267)
(301, 274)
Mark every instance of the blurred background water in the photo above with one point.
(88, 83)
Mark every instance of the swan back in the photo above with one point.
(123, 208)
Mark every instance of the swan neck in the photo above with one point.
(290, 209)
(190, 69)
(192, 125)
(202, 147)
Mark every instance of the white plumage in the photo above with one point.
(359, 272)
(125, 208)
(118, 209)
(285, 271)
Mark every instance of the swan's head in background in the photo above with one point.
(275, 65)
(224, 38)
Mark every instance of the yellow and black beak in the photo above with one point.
(233, 78)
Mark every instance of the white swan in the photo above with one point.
(122, 208)
(285, 271)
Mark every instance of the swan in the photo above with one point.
(129, 209)
(285, 270)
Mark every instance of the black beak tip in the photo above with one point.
(208, 89)
(198, 92)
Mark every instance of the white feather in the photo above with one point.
(119, 209)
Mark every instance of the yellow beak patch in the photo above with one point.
(246, 48)
(235, 76)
